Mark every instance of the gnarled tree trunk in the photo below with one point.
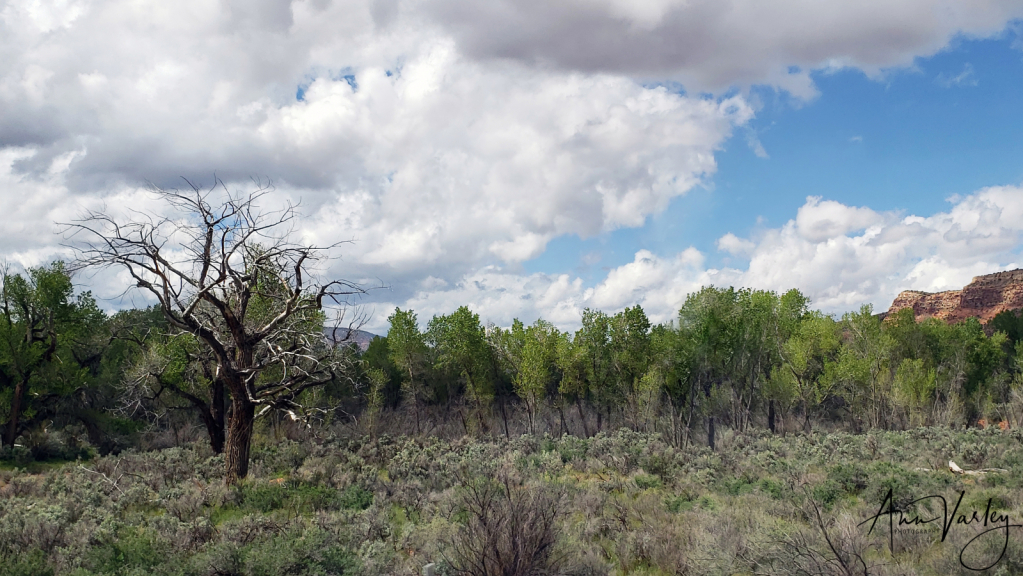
(12, 423)
(239, 438)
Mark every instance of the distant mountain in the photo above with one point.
(361, 338)
(982, 298)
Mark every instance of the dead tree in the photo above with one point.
(228, 273)
(176, 371)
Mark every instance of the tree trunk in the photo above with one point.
(770, 415)
(582, 416)
(217, 410)
(16, 400)
(415, 404)
(465, 425)
(530, 416)
(239, 438)
(504, 416)
(415, 397)
(710, 432)
(212, 414)
(561, 412)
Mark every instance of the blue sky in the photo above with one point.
(531, 158)
(903, 141)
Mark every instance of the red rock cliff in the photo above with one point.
(982, 298)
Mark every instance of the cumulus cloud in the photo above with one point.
(714, 44)
(844, 256)
(451, 142)
(851, 256)
(499, 295)
(435, 163)
(734, 245)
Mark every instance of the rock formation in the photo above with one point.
(982, 298)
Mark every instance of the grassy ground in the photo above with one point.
(624, 503)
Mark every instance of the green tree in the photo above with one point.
(460, 344)
(707, 325)
(1010, 323)
(865, 368)
(759, 316)
(804, 358)
(914, 389)
(570, 361)
(536, 368)
(174, 371)
(409, 353)
(378, 356)
(630, 356)
(378, 380)
(793, 307)
(594, 339)
(42, 323)
(506, 347)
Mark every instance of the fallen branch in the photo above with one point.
(955, 469)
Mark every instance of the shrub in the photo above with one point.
(647, 481)
(17, 455)
(510, 529)
(29, 564)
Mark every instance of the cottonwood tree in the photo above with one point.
(408, 350)
(536, 370)
(460, 343)
(594, 339)
(570, 361)
(806, 371)
(229, 273)
(41, 321)
(630, 357)
(175, 371)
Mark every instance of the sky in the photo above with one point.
(532, 158)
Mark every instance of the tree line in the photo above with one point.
(731, 358)
(236, 334)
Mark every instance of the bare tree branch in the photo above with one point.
(227, 272)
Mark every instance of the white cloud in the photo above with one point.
(434, 163)
(734, 245)
(450, 141)
(714, 44)
(964, 78)
(817, 220)
(855, 256)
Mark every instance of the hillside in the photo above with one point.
(360, 337)
(984, 297)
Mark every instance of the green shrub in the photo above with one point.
(356, 498)
(647, 481)
(339, 560)
(772, 488)
(826, 493)
(734, 486)
(571, 448)
(850, 477)
(133, 547)
(304, 498)
(16, 455)
(264, 497)
(32, 563)
(678, 503)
